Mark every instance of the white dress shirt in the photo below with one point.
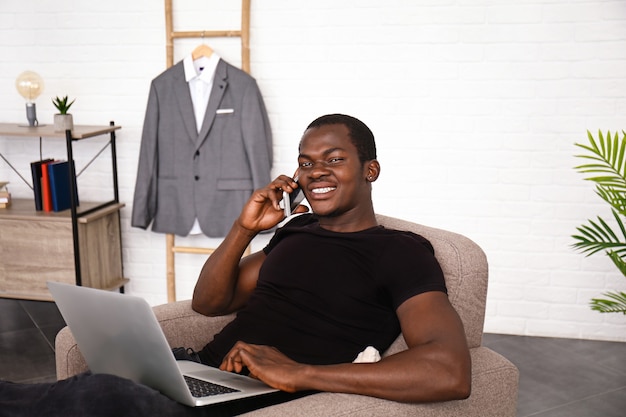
(200, 74)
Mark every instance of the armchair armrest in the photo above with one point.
(494, 394)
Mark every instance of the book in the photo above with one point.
(59, 179)
(46, 197)
(35, 169)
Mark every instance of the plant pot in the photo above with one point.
(63, 122)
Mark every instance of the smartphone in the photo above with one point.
(292, 200)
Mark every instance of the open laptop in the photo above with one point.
(119, 334)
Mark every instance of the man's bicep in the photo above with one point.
(429, 317)
(437, 344)
(249, 268)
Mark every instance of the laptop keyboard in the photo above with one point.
(200, 388)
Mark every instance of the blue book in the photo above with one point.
(59, 176)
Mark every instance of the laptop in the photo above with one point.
(119, 334)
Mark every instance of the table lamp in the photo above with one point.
(30, 85)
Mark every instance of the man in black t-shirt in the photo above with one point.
(329, 285)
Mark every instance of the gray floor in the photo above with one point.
(566, 377)
(558, 377)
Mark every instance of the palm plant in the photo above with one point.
(606, 167)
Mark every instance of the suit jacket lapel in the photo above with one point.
(185, 105)
(220, 82)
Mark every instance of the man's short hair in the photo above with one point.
(361, 135)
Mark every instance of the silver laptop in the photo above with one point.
(119, 334)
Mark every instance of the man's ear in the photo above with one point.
(372, 170)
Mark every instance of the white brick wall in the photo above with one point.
(476, 106)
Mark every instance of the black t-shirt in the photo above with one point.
(322, 296)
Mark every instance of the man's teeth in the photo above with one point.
(322, 190)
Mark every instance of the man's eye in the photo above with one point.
(305, 164)
(335, 160)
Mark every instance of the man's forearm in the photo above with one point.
(398, 378)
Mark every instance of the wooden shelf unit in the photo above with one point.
(81, 245)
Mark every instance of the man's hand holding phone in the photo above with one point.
(293, 199)
(266, 206)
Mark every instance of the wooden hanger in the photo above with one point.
(202, 51)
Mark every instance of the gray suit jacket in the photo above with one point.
(210, 175)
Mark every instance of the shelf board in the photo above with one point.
(24, 209)
(79, 131)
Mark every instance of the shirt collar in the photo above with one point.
(207, 74)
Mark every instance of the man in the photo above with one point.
(336, 167)
(328, 285)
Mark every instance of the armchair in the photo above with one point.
(494, 378)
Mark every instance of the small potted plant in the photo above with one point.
(63, 120)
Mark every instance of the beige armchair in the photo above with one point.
(494, 378)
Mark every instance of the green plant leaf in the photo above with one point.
(614, 303)
(62, 105)
(618, 261)
(608, 160)
(595, 237)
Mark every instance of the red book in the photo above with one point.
(46, 196)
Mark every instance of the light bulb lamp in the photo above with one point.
(30, 85)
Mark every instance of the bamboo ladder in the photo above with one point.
(244, 34)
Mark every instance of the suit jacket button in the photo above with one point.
(197, 178)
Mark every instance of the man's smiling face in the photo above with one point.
(333, 178)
